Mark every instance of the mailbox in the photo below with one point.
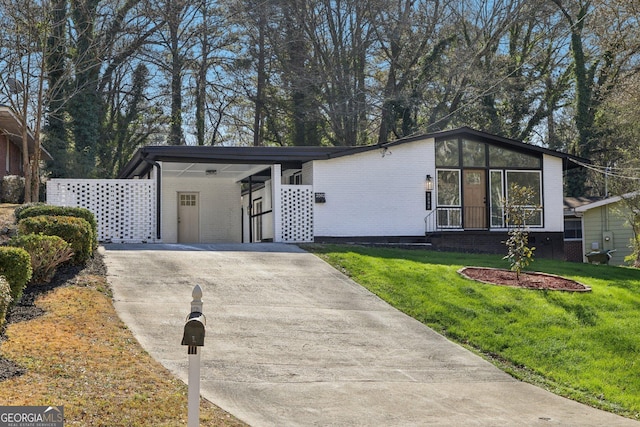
(194, 330)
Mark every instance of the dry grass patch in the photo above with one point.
(80, 355)
(7, 219)
(6, 213)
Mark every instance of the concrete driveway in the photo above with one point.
(293, 342)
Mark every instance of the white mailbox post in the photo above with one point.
(194, 330)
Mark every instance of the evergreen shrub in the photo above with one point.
(15, 266)
(12, 189)
(5, 300)
(47, 253)
(73, 230)
(40, 209)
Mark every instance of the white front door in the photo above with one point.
(188, 218)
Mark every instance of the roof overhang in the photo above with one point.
(11, 125)
(185, 160)
(604, 202)
(568, 161)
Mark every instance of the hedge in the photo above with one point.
(75, 231)
(5, 300)
(15, 266)
(39, 209)
(46, 252)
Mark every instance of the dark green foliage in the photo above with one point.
(50, 210)
(12, 189)
(18, 211)
(15, 266)
(5, 299)
(75, 231)
(47, 253)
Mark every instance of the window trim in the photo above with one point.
(459, 172)
(579, 229)
(530, 207)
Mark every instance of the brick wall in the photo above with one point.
(573, 250)
(14, 164)
(547, 244)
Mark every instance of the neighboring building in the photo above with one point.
(605, 227)
(11, 143)
(445, 188)
(573, 242)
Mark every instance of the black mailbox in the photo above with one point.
(194, 330)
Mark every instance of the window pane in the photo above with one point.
(503, 158)
(473, 154)
(534, 217)
(449, 218)
(447, 153)
(572, 229)
(448, 188)
(497, 193)
(528, 180)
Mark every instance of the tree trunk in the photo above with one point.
(261, 80)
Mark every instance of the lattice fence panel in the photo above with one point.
(125, 209)
(297, 213)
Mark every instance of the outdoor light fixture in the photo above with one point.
(428, 184)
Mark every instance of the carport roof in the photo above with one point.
(289, 157)
(292, 157)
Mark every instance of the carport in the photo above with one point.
(230, 194)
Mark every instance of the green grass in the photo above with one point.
(585, 346)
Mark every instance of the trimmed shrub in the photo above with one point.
(40, 209)
(47, 253)
(17, 212)
(12, 189)
(15, 266)
(5, 299)
(73, 230)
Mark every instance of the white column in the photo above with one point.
(276, 185)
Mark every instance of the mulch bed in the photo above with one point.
(527, 280)
(25, 309)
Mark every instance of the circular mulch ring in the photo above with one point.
(498, 276)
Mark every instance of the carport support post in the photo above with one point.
(276, 195)
(193, 395)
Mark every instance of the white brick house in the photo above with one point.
(443, 187)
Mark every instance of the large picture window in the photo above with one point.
(529, 179)
(488, 171)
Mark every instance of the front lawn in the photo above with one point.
(585, 346)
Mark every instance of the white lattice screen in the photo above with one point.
(125, 209)
(296, 202)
